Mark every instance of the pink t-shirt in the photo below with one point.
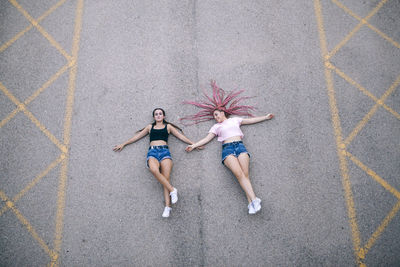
(228, 128)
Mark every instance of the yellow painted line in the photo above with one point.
(355, 84)
(15, 38)
(347, 10)
(38, 178)
(394, 113)
(47, 84)
(4, 209)
(374, 175)
(357, 28)
(373, 110)
(44, 130)
(351, 212)
(51, 10)
(35, 94)
(351, 13)
(34, 182)
(23, 108)
(25, 222)
(365, 91)
(40, 29)
(375, 10)
(361, 124)
(9, 117)
(390, 90)
(384, 36)
(67, 132)
(9, 95)
(345, 40)
(21, 33)
(381, 228)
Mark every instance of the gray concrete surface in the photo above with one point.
(138, 55)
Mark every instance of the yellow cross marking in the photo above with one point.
(27, 29)
(34, 95)
(23, 108)
(364, 21)
(381, 227)
(34, 182)
(366, 92)
(356, 29)
(372, 111)
(63, 159)
(374, 175)
(40, 29)
(67, 134)
(341, 143)
(351, 212)
(25, 222)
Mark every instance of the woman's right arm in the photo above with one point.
(135, 138)
(200, 143)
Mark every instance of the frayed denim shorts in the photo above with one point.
(235, 148)
(159, 153)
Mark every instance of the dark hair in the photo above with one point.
(164, 121)
(154, 111)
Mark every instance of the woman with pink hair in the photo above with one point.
(234, 154)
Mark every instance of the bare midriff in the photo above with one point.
(233, 139)
(158, 143)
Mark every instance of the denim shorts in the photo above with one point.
(159, 153)
(234, 148)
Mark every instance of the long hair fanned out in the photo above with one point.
(230, 104)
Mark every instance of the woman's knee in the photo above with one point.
(232, 164)
(239, 174)
(243, 178)
(154, 169)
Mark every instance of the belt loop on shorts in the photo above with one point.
(158, 147)
(232, 143)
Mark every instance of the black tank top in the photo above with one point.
(159, 134)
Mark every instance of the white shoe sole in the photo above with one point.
(166, 213)
(258, 208)
(174, 200)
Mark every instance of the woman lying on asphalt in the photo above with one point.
(159, 158)
(234, 154)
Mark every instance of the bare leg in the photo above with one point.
(244, 161)
(166, 167)
(154, 167)
(233, 164)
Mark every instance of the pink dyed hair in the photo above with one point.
(218, 101)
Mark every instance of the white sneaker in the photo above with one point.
(174, 196)
(251, 209)
(256, 203)
(166, 212)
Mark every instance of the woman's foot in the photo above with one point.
(254, 206)
(251, 209)
(166, 212)
(174, 196)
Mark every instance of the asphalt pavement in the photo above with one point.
(78, 77)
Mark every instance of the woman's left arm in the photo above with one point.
(257, 119)
(179, 135)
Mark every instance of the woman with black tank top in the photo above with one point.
(159, 158)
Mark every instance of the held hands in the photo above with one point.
(118, 148)
(189, 148)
